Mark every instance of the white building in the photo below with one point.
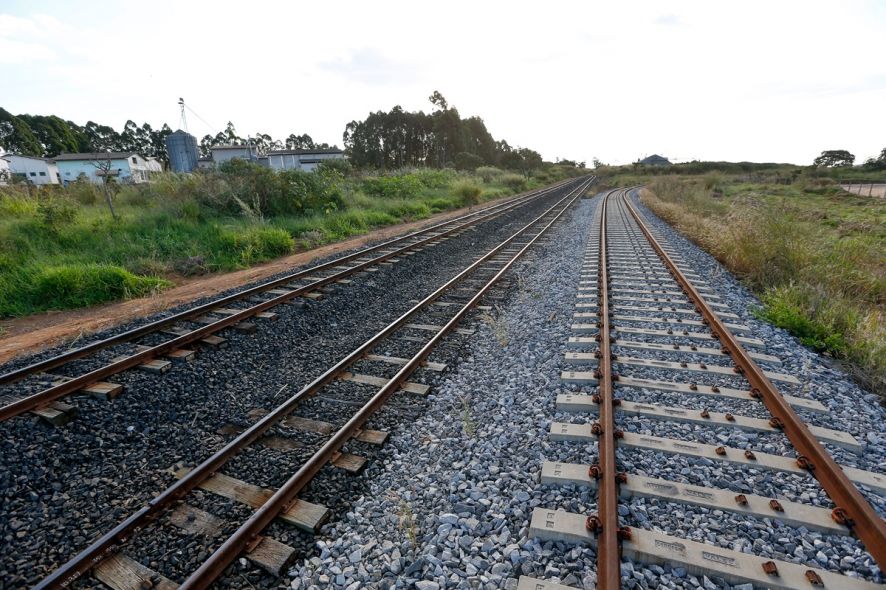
(223, 153)
(5, 174)
(306, 160)
(33, 170)
(122, 166)
(154, 165)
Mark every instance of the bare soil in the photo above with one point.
(34, 333)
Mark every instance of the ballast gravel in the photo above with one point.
(446, 502)
(450, 496)
(60, 488)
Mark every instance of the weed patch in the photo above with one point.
(815, 258)
(70, 286)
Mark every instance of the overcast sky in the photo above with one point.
(760, 81)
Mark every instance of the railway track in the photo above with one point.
(41, 386)
(358, 385)
(641, 313)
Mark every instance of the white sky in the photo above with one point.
(715, 80)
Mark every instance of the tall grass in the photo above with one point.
(60, 248)
(814, 255)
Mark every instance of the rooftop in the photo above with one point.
(226, 146)
(8, 155)
(95, 156)
(302, 152)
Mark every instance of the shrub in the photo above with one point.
(256, 191)
(790, 308)
(489, 173)
(407, 186)
(256, 244)
(16, 203)
(56, 213)
(467, 161)
(79, 285)
(713, 181)
(83, 191)
(468, 192)
(304, 192)
(433, 177)
(514, 182)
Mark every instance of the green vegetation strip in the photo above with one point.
(60, 248)
(813, 253)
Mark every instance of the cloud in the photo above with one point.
(38, 37)
(668, 20)
(22, 52)
(369, 66)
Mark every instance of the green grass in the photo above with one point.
(61, 249)
(815, 255)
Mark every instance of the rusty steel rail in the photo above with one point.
(213, 567)
(50, 363)
(112, 541)
(605, 523)
(60, 390)
(852, 509)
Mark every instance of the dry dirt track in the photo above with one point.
(22, 336)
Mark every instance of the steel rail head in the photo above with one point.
(469, 218)
(608, 554)
(219, 560)
(60, 390)
(866, 524)
(111, 541)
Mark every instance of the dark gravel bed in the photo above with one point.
(90, 474)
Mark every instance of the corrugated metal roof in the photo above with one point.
(96, 156)
(302, 152)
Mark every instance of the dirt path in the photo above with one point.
(27, 335)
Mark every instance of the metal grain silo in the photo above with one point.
(182, 149)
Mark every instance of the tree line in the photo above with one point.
(844, 159)
(47, 136)
(384, 140)
(441, 138)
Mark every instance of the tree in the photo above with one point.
(467, 161)
(158, 142)
(229, 135)
(136, 139)
(103, 169)
(438, 101)
(299, 142)
(834, 159)
(101, 138)
(878, 163)
(54, 134)
(207, 142)
(16, 137)
(441, 138)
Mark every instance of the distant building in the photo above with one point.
(181, 147)
(125, 167)
(205, 164)
(5, 174)
(154, 166)
(655, 160)
(32, 170)
(307, 160)
(223, 153)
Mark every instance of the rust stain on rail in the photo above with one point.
(852, 508)
(35, 333)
